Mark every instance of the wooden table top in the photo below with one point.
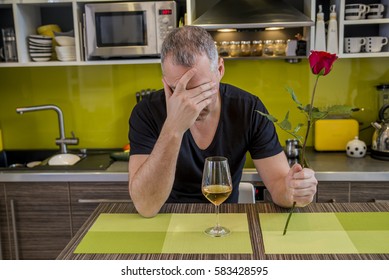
(251, 210)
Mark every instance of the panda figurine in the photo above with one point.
(356, 148)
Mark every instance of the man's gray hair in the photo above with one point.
(186, 43)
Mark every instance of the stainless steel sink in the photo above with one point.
(18, 160)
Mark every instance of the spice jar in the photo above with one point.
(245, 48)
(268, 48)
(256, 48)
(234, 48)
(279, 47)
(224, 49)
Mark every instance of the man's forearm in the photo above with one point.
(152, 183)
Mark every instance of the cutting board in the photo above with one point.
(333, 134)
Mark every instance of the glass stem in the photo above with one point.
(217, 216)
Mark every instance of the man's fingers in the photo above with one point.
(184, 80)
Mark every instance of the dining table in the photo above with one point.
(318, 231)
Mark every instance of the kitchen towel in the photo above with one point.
(326, 233)
(165, 233)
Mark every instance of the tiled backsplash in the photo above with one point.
(97, 100)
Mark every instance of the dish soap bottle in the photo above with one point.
(332, 34)
(320, 37)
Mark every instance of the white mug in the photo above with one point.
(356, 11)
(354, 44)
(376, 11)
(375, 43)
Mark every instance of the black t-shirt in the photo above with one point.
(240, 129)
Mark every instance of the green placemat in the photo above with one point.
(326, 233)
(165, 233)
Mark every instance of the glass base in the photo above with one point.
(217, 231)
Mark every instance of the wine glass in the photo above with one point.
(216, 187)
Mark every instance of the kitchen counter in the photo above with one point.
(329, 166)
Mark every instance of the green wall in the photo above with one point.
(97, 100)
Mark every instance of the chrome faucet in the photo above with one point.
(62, 141)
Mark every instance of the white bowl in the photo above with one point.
(40, 59)
(65, 40)
(64, 159)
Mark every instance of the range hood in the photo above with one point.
(252, 14)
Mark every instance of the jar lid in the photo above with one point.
(257, 42)
(224, 42)
(269, 41)
(245, 42)
(279, 41)
(234, 42)
(382, 87)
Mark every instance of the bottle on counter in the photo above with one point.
(332, 34)
(320, 37)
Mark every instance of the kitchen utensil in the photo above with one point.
(64, 159)
(333, 134)
(380, 141)
(9, 45)
(354, 44)
(375, 43)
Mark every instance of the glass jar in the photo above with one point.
(224, 48)
(245, 48)
(256, 48)
(279, 47)
(234, 48)
(383, 95)
(268, 48)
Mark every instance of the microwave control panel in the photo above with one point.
(166, 18)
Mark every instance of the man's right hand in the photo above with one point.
(184, 105)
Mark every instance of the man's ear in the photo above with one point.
(220, 68)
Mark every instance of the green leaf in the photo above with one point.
(297, 128)
(294, 97)
(319, 115)
(285, 124)
(340, 109)
(268, 116)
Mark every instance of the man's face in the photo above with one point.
(204, 74)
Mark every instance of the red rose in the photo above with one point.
(321, 62)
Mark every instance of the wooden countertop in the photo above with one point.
(251, 210)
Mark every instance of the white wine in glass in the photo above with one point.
(216, 187)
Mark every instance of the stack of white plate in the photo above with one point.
(66, 51)
(40, 47)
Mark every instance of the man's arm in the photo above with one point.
(286, 185)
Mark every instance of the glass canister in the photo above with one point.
(256, 48)
(268, 47)
(279, 47)
(234, 48)
(245, 48)
(383, 95)
(224, 48)
(9, 45)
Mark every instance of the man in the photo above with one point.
(194, 117)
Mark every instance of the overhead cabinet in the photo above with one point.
(24, 17)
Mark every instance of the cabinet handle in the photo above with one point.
(86, 200)
(333, 200)
(13, 216)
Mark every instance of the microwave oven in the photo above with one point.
(127, 29)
